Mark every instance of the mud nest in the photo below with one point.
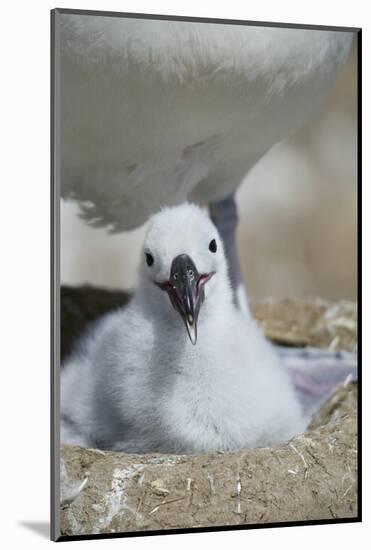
(313, 477)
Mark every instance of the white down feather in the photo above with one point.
(137, 384)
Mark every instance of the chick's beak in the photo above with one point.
(186, 291)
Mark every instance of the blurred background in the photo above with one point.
(297, 234)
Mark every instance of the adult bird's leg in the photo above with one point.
(314, 372)
(225, 216)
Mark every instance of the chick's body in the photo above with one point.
(137, 384)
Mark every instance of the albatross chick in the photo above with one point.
(180, 369)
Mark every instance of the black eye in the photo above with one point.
(149, 259)
(212, 246)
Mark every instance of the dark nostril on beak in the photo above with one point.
(183, 268)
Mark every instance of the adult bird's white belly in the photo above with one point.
(179, 369)
(153, 112)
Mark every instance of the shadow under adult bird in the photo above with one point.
(154, 112)
(180, 369)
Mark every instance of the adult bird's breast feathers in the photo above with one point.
(153, 112)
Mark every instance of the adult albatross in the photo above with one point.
(154, 112)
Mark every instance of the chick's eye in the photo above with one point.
(212, 246)
(149, 259)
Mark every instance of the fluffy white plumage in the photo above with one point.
(153, 112)
(137, 384)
